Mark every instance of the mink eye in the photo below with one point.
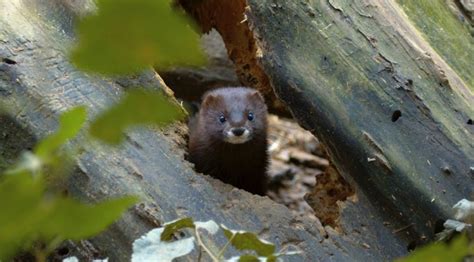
(250, 116)
(222, 119)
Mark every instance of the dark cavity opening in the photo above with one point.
(446, 170)
(411, 246)
(469, 121)
(438, 226)
(64, 251)
(9, 61)
(299, 165)
(396, 115)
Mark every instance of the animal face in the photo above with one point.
(234, 115)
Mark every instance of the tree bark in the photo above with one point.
(37, 84)
(190, 83)
(394, 116)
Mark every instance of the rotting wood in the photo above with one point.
(42, 84)
(241, 48)
(344, 76)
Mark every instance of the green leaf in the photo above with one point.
(137, 107)
(243, 240)
(248, 258)
(71, 219)
(252, 258)
(20, 197)
(29, 213)
(174, 226)
(438, 251)
(70, 123)
(46, 152)
(126, 36)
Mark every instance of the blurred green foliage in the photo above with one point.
(126, 36)
(70, 123)
(251, 258)
(138, 106)
(32, 211)
(122, 37)
(440, 251)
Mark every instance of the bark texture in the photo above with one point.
(394, 116)
(37, 83)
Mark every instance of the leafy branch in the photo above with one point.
(159, 244)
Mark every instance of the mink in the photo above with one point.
(228, 138)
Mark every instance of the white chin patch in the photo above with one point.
(233, 139)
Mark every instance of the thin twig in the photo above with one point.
(200, 254)
(402, 228)
(221, 253)
(198, 238)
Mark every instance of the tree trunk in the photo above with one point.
(394, 116)
(37, 84)
(337, 82)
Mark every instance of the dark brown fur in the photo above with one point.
(242, 165)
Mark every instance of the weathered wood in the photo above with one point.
(190, 83)
(392, 114)
(41, 84)
(448, 27)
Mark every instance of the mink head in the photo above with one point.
(234, 115)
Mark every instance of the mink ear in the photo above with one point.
(209, 99)
(256, 96)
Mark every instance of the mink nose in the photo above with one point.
(238, 131)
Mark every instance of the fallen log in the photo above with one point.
(37, 84)
(395, 118)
